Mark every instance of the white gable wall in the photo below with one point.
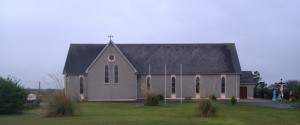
(98, 90)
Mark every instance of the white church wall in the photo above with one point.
(72, 85)
(232, 86)
(209, 85)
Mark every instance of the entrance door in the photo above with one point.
(243, 92)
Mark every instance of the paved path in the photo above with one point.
(265, 102)
(257, 102)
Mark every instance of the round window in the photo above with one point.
(111, 57)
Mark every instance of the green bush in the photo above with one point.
(269, 93)
(293, 99)
(298, 92)
(161, 97)
(187, 98)
(206, 108)
(59, 104)
(152, 100)
(233, 100)
(12, 96)
(212, 97)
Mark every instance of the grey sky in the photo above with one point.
(35, 35)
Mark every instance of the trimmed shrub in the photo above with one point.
(59, 104)
(152, 100)
(212, 97)
(12, 96)
(206, 108)
(233, 100)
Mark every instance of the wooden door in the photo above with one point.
(243, 92)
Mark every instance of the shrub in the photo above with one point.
(233, 100)
(12, 96)
(160, 97)
(293, 99)
(188, 98)
(298, 92)
(269, 93)
(152, 100)
(59, 104)
(212, 97)
(206, 108)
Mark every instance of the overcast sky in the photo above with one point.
(35, 34)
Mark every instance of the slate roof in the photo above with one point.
(247, 77)
(195, 58)
(80, 57)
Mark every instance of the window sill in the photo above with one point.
(223, 95)
(106, 83)
(116, 83)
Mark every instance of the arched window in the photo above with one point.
(173, 85)
(197, 84)
(223, 85)
(116, 74)
(81, 85)
(106, 74)
(148, 83)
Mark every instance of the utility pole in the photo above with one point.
(180, 83)
(39, 86)
(165, 83)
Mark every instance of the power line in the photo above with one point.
(29, 81)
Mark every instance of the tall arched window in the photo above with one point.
(197, 84)
(223, 85)
(148, 83)
(106, 74)
(81, 85)
(173, 85)
(116, 74)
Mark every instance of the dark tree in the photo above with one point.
(256, 80)
(298, 92)
(291, 85)
(12, 96)
(261, 91)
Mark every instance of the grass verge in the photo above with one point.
(170, 114)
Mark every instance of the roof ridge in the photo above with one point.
(152, 43)
(171, 43)
(86, 44)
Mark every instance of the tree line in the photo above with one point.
(263, 90)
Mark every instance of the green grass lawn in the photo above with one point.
(170, 114)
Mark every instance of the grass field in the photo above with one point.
(170, 114)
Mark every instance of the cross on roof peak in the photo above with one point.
(110, 36)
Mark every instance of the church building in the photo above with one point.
(117, 72)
